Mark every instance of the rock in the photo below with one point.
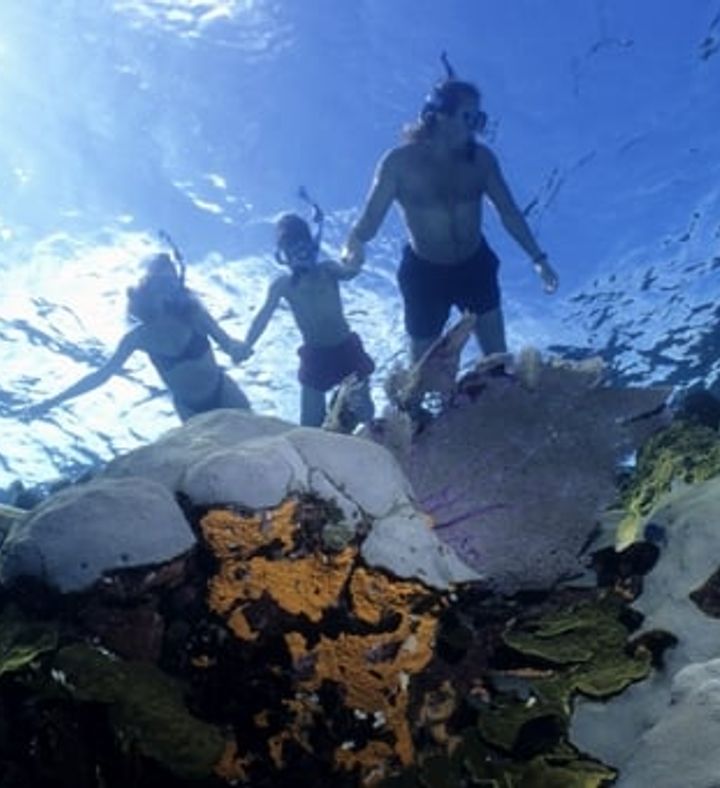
(75, 537)
(681, 748)
(405, 545)
(256, 474)
(166, 460)
(364, 471)
(689, 515)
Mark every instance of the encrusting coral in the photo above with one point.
(345, 626)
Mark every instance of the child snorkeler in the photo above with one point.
(330, 350)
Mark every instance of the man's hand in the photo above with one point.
(547, 274)
(353, 254)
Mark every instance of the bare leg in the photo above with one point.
(419, 346)
(312, 407)
(490, 332)
(363, 406)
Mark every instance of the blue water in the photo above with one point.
(203, 118)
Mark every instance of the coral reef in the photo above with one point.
(530, 469)
(632, 731)
(293, 618)
(682, 453)
(371, 633)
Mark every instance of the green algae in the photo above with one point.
(683, 452)
(505, 723)
(472, 763)
(560, 770)
(147, 709)
(23, 640)
(586, 645)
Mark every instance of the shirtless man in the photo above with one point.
(331, 351)
(439, 177)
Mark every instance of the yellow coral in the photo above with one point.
(375, 596)
(231, 535)
(232, 766)
(373, 670)
(373, 758)
(308, 585)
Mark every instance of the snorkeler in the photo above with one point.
(330, 350)
(172, 329)
(439, 177)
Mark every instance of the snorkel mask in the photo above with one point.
(443, 99)
(297, 247)
(163, 281)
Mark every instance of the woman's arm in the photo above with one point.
(127, 345)
(235, 348)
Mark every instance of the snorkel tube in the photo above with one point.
(317, 216)
(449, 70)
(175, 253)
(435, 101)
(298, 227)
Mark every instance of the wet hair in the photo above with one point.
(444, 99)
(142, 297)
(291, 227)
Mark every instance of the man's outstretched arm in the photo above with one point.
(382, 193)
(514, 222)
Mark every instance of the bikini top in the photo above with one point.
(196, 347)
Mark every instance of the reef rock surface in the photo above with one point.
(77, 535)
(681, 596)
(128, 516)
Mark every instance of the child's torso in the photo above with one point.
(314, 298)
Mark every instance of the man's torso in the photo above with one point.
(441, 199)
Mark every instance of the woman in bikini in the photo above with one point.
(172, 329)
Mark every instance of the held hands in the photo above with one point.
(239, 351)
(353, 253)
(545, 271)
(32, 412)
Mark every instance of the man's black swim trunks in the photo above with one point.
(429, 290)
